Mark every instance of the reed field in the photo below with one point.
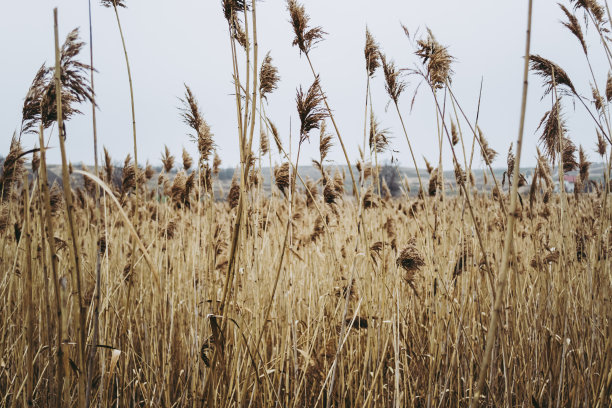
(131, 286)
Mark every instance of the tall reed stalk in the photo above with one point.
(502, 278)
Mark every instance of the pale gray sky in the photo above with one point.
(171, 43)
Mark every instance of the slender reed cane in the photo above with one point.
(502, 279)
(75, 259)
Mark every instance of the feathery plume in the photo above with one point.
(554, 129)
(411, 260)
(437, 58)
(372, 53)
(325, 142)
(177, 191)
(203, 137)
(108, 167)
(393, 82)
(428, 166)
(379, 138)
(454, 133)
(593, 7)
(234, 193)
(128, 176)
(305, 37)
(609, 87)
(488, 154)
(216, 164)
(148, 172)
(309, 109)
(12, 168)
(552, 74)
(264, 143)
(601, 144)
(281, 176)
(31, 111)
(312, 187)
(434, 182)
(574, 26)
(598, 100)
(187, 160)
(583, 166)
(569, 155)
(369, 200)
(113, 3)
(167, 160)
(460, 176)
(276, 136)
(74, 76)
(510, 161)
(268, 75)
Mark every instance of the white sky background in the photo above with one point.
(171, 43)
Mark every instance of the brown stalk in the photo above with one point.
(502, 279)
(75, 258)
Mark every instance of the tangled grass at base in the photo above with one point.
(126, 287)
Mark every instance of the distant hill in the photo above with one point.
(310, 172)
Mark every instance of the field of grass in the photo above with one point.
(124, 286)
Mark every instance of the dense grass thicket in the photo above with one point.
(133, 286)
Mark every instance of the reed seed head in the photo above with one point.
(325, 142)
(552, 74)
(379, 138)
(281, 177)
(394, 85)
(305, 37)
(187, 160)
(268, 75)
(309, 109)
(601, 144)
(192, 117)
(372, 53)
(167, 160)
(573, 26)
(437, 60)
(12, 168)
(113, 3)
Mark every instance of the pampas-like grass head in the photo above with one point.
(305, 37)
(192, 117)
(309, 109)
(371, 53)
(379, 138)
(113, 3)
(411, 261)
(591, 6)
(12, 168)
(268, 75)
(167, 160)
(601, 144)
(573, 26)
(552, 74)
(74, 76)
(553, 130)
(281, 176)
(187, 160)
(437, 60)
(325, 142)
(488, 154)
(393, 82)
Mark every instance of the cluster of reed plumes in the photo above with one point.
(126, 288)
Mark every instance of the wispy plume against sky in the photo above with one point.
(187, 42)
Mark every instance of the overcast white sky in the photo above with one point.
(171, 43)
